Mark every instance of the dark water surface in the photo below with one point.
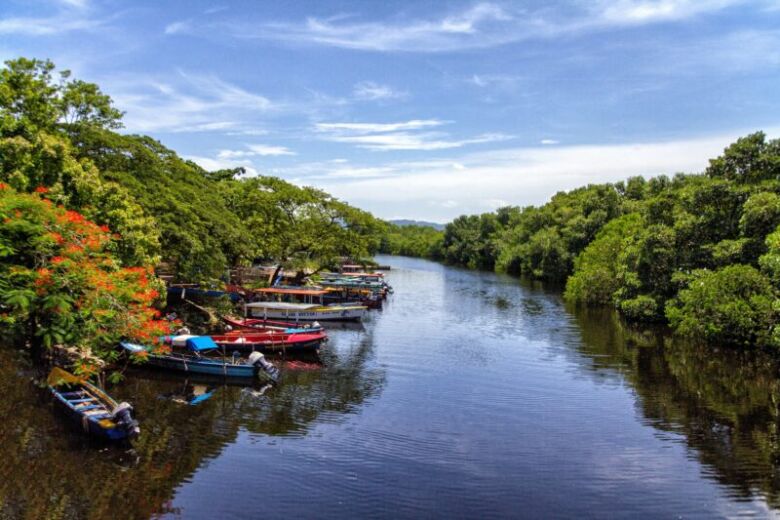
(470, 395)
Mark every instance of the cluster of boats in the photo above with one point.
(237, 353)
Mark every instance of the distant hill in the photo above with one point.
(407, 222)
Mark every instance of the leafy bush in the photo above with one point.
(733, 305)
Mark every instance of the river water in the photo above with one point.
(471, 395)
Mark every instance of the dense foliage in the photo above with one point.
(699, 251)
(61, 283)
(412, 240)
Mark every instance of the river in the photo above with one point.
(470, 395)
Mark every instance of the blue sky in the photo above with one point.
(424, 109)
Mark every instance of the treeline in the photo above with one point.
(699, 251)
(88, 214)
(412, 240)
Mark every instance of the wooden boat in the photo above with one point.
(308, 307)
(188, 356)
(305, 311)
(271, 341)
(348, 296)
(263, 325)
(94, 410)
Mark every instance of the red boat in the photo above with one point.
(270, 341)
(270, 325)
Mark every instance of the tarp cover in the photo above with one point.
(200, 343)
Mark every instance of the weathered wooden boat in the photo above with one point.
(349, 296)
(381, 288)
(190, 354)
(95, 411)
(308, 306)
(262, 325)
(305, 311)
(270, 341)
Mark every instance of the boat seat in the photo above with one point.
(77, 401)
(89, 407)
(98, 414)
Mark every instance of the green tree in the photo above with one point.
(733, 305)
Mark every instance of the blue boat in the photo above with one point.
(188, 357)
(91, 408)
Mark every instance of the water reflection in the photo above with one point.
(50, 470)
(470, 395)
(723, 403)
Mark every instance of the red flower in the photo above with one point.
(57, 260)
(105, 229)
(41, 189)
(3, 185)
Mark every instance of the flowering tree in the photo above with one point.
(60, 283)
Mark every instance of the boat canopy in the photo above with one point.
(283, 306)
(201, 343)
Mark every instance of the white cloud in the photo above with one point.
(516, 176)
(632, 12)
(367, 128)
(498, 80)
(179, 27)
(548, 142)
(254, 150)
(482, 25)
(264, 149)
(464, 29)
(370, 91)
(79, 4)
(420, 141)
(48, 26)
(187, 102)
(398, 136)
(68, 16)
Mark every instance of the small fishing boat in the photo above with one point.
(309, 307)
(197, 355)
(94, 410)
(263, 325)
(270, 341)
(305, 311)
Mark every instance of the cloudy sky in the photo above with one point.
(424, 109)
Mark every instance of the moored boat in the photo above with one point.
(187, 356)
(305, 311)
(270, 341)
(306, 305)
(263, 325)
(95, 411)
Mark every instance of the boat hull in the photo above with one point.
(89, 410)
(193, 365)
(270, 346)
(294, 315)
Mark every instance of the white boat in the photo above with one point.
(304, 311)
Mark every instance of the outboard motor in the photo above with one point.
(258, 360)
(123, 418)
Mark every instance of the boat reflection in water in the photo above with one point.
(49, 467)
